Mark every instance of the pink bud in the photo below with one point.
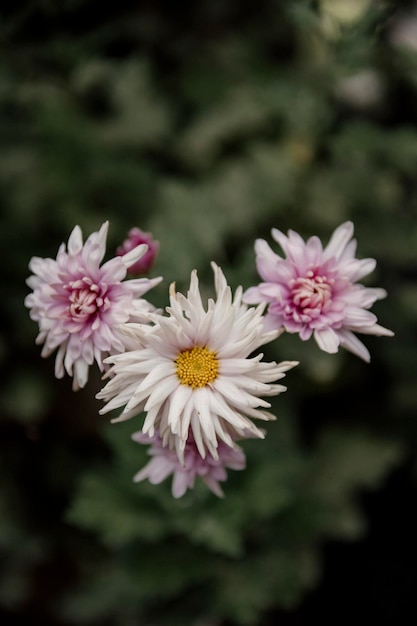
(135, 238)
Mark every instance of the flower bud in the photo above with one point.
(136, 237)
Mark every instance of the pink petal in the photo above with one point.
(356, 269)
(266, 260)
(180, 483)
(314, 250)
(214, 486)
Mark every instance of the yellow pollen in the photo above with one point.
(197, 367)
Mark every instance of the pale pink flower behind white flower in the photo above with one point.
(165, 462)
(192, 371)
(80, 305)
(314, 290)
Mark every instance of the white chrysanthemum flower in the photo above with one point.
(193, 370)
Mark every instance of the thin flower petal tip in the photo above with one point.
(193, 372)
(80, 303)
(315, 291)
(165, 463)
(143, 263)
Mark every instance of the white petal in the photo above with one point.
(127, 415)
(350, 342)
(338, 241)
(159, 392)
(75, 241)
(59, 362)
(196, 429)
(96, 244)
(80, 374)
(377, 330)
(327, 340)
(202, 405)
(134, 255)
(238, 366)
(186, 420)
(178, 400)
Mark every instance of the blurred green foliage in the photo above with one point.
(206, 123)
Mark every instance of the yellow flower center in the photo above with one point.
(197, 367)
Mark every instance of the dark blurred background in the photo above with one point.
(209, 123)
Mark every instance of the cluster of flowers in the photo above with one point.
(193, 369)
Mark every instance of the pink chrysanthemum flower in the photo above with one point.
(165, 462)
(135, 238)
(80, 305)
(314, 291)
(192, 372)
